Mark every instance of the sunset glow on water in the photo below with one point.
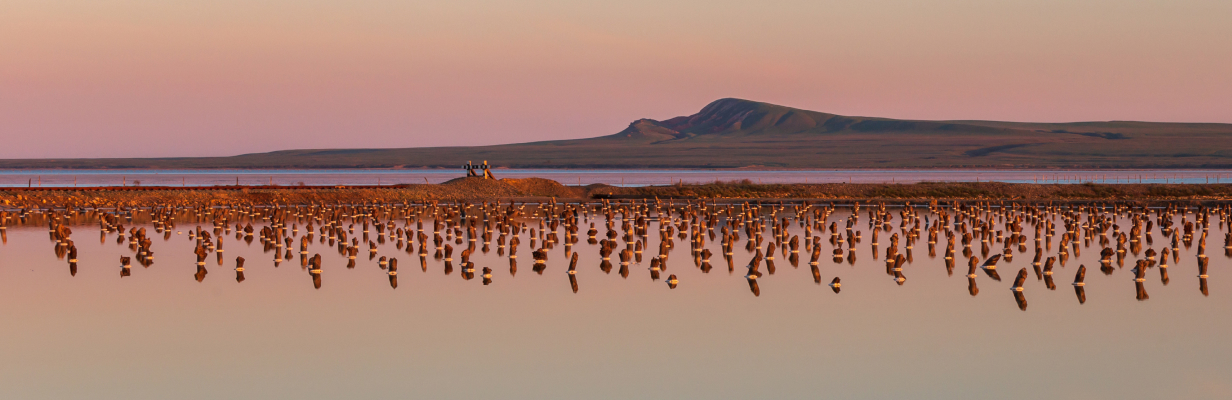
(160, 332)
(667, 199)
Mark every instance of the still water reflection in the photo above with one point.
(873, 318)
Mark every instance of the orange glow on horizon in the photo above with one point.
(191, 78)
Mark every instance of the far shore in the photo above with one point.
(536, 190)
(1223, 168)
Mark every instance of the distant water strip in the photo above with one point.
(614, 177)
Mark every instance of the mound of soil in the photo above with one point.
(544, 188)
(475, 187)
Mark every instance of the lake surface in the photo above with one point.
(93, 178)
(168, 331)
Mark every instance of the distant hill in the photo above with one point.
(735, 133)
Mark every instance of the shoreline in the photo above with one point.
(538, 189)
(964, 167)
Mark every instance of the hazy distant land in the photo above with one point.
(734, 133)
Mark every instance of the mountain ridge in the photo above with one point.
(738, 133)
(731, 115)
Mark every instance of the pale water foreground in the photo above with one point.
(168, 331)
(95, 178)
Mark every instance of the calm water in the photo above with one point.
(85, 178)
(160, 333)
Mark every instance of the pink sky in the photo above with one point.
(147, 78)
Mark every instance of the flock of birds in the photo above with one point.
(625, 229)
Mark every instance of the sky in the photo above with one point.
(164, 78)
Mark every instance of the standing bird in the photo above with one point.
(573, 276)
(1020, 279)
(239, 269)
(393, 272)
(991, 262)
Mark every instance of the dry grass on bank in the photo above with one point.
(475, 189)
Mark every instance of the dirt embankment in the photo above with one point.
(927, 190)
(477, 189)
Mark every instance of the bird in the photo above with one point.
(239, 269)
(1020, 279)
(991, 262)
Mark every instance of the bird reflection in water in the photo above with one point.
(393, 272)
(573, 275)
(1202, 264)
(239, 269)
(976, 226)
(898, 269)
(1080, 284)
(753, 284)
(314, 270)
(72, 260)
(990, 267)
(1021, 299)
(754, 273)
